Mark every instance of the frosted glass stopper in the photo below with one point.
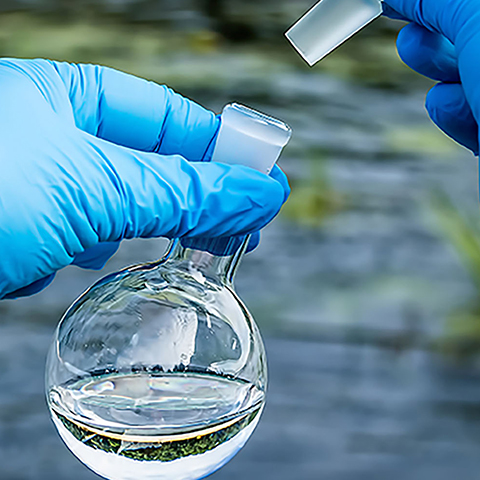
(250, 138)
(329, 24)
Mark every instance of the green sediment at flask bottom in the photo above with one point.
(157, 452)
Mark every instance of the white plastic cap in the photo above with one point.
(250, 138)
(329, 24)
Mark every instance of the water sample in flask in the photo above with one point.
(329, 24)
(158, 372)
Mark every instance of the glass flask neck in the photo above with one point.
(215, 259)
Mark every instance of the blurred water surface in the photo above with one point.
(354, 286)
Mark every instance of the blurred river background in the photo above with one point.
(367, 287)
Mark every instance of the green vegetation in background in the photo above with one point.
(462, 340)
(419, 140)
(314, 199)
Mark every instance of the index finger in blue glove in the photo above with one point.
(135, 113)
(124, 109)
(450, 111)
(152, 196)
(96, 257)
(428, 53)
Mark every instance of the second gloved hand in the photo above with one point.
(90, 156)
(443, 43)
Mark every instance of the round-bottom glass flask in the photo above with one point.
(159, 371)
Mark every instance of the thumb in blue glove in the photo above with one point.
(443, 43)
(91, 156)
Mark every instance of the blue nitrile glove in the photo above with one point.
(90, 156)
(443, 43)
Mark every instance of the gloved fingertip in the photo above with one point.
(96, 258)
(432, 101)
(450, 111)
(254, 242)
(278, 174)
(446, 98)
(31, 289)
(405, 39)
(274, 198)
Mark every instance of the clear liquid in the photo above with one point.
(329, 24)
(180, 426)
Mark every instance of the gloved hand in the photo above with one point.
(90, 156)
(443, 43)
